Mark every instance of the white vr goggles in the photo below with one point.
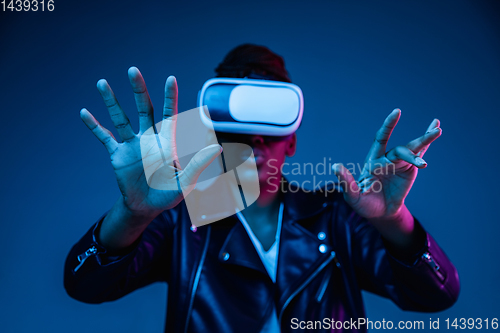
(251, 106)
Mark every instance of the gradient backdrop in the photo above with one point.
(354, 60)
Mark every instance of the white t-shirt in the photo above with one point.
(270, 260)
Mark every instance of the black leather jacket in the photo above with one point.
(217, 282)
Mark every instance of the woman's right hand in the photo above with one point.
(149, 176)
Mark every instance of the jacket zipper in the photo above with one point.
(197, 279)
(435, 267)
(326, 280)
(324, 285)
(92, 251)
(305, 283)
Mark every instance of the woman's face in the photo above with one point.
(269, 152)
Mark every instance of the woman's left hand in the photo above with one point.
(386, 178)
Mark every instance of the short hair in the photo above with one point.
(247, 59)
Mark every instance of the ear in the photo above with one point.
(291, 145)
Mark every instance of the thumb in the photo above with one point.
(200, 161)
(346, 181)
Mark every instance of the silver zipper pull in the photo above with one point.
(335, 259)
(92, 251)
(430, 261)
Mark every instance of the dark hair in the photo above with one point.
(247, 59)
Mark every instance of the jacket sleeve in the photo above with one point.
(94, 275)
(424, 281)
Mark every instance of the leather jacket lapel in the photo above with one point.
(301, 252)
(238, 249)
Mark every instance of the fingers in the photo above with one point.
(99, 131)
(142, 100)
(425, 140)
(383, 134)
(434, 124)
(198, 163)
(169, 108)
(402, 153)
(119, 118)
(346, 181)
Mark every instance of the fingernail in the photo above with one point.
(420, 161)
(396, 109)
(334, 168)
(435, 129)
(101, 84)
(221, 149)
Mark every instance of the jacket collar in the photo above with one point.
(238, 248)
(298, 255)
(301, 203)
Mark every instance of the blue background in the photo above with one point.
(354, 60)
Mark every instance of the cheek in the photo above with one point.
(271, 168)
(277, 150)
(273, 165)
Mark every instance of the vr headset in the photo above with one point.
(251, 106)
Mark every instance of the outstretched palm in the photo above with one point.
(386, 178)
(148, 174)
